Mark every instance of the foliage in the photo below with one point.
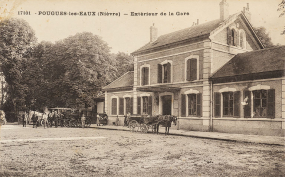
(123, 63)
(70, 72)
(263, 36)
(281, 7)
(67, 73)
(16, 41)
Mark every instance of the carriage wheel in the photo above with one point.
(144, 128)
(133, 125)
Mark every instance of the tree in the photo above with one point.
(16, 40)
(123, 63)
(263, 36)
(281, 7)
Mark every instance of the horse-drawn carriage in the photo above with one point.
(102, 118)
(145, 122)
(68, 117)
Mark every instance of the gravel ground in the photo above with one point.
(60, 152)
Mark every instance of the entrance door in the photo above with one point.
(166, 104)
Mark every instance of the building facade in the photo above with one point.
(174, 75)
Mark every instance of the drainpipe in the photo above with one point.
(212, 107)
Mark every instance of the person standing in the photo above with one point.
(24, 120)
(55, 119)
(83, 118)
(45, 117)
(34, 119)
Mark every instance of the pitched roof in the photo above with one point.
(125, 81)
(258, 61)
(182, 35)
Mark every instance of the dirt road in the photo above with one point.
(92, 152)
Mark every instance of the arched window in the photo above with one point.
(232, 37)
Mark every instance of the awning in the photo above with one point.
(160, 88)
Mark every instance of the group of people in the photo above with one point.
(48, 118)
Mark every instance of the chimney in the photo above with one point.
(247, 13)
(153, 33)
(224, 10)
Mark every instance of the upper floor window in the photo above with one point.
(192, 69)
(145, 76)
(164, 73)
(232, 37)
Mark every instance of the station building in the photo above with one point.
(214, 76)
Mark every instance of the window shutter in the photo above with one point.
(146, 72)
(150, 105)
(229, 36)
(139, 105)
(159, 73)
(121, 106)
(183, 105)
(237, 104)
(217, 107)
(271, 103)
(199, 105)
(168, 72)
(188, 71)
(193, 69)
(235, 38)
(142, 76)
(114, 106)
(131, 105)
(238, 38)
(247, 108)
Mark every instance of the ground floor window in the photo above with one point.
(129, 105)
(191, 105)
(228, 103)
(263, 103)
(144, 105)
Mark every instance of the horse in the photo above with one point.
(165, 121)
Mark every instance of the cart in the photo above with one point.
(142, 123)
(102, 119)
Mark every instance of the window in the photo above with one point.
(121, 106)
(232, 37)
(164, 73)
(260, 98)
(260, 103)
(192, 69)
(145, 76)
(146, 105)
(229, 102)
(193, 104)
(129, 105)
(114, 106)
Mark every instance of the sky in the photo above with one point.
(126, 33)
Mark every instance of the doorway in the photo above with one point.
(166, 104)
